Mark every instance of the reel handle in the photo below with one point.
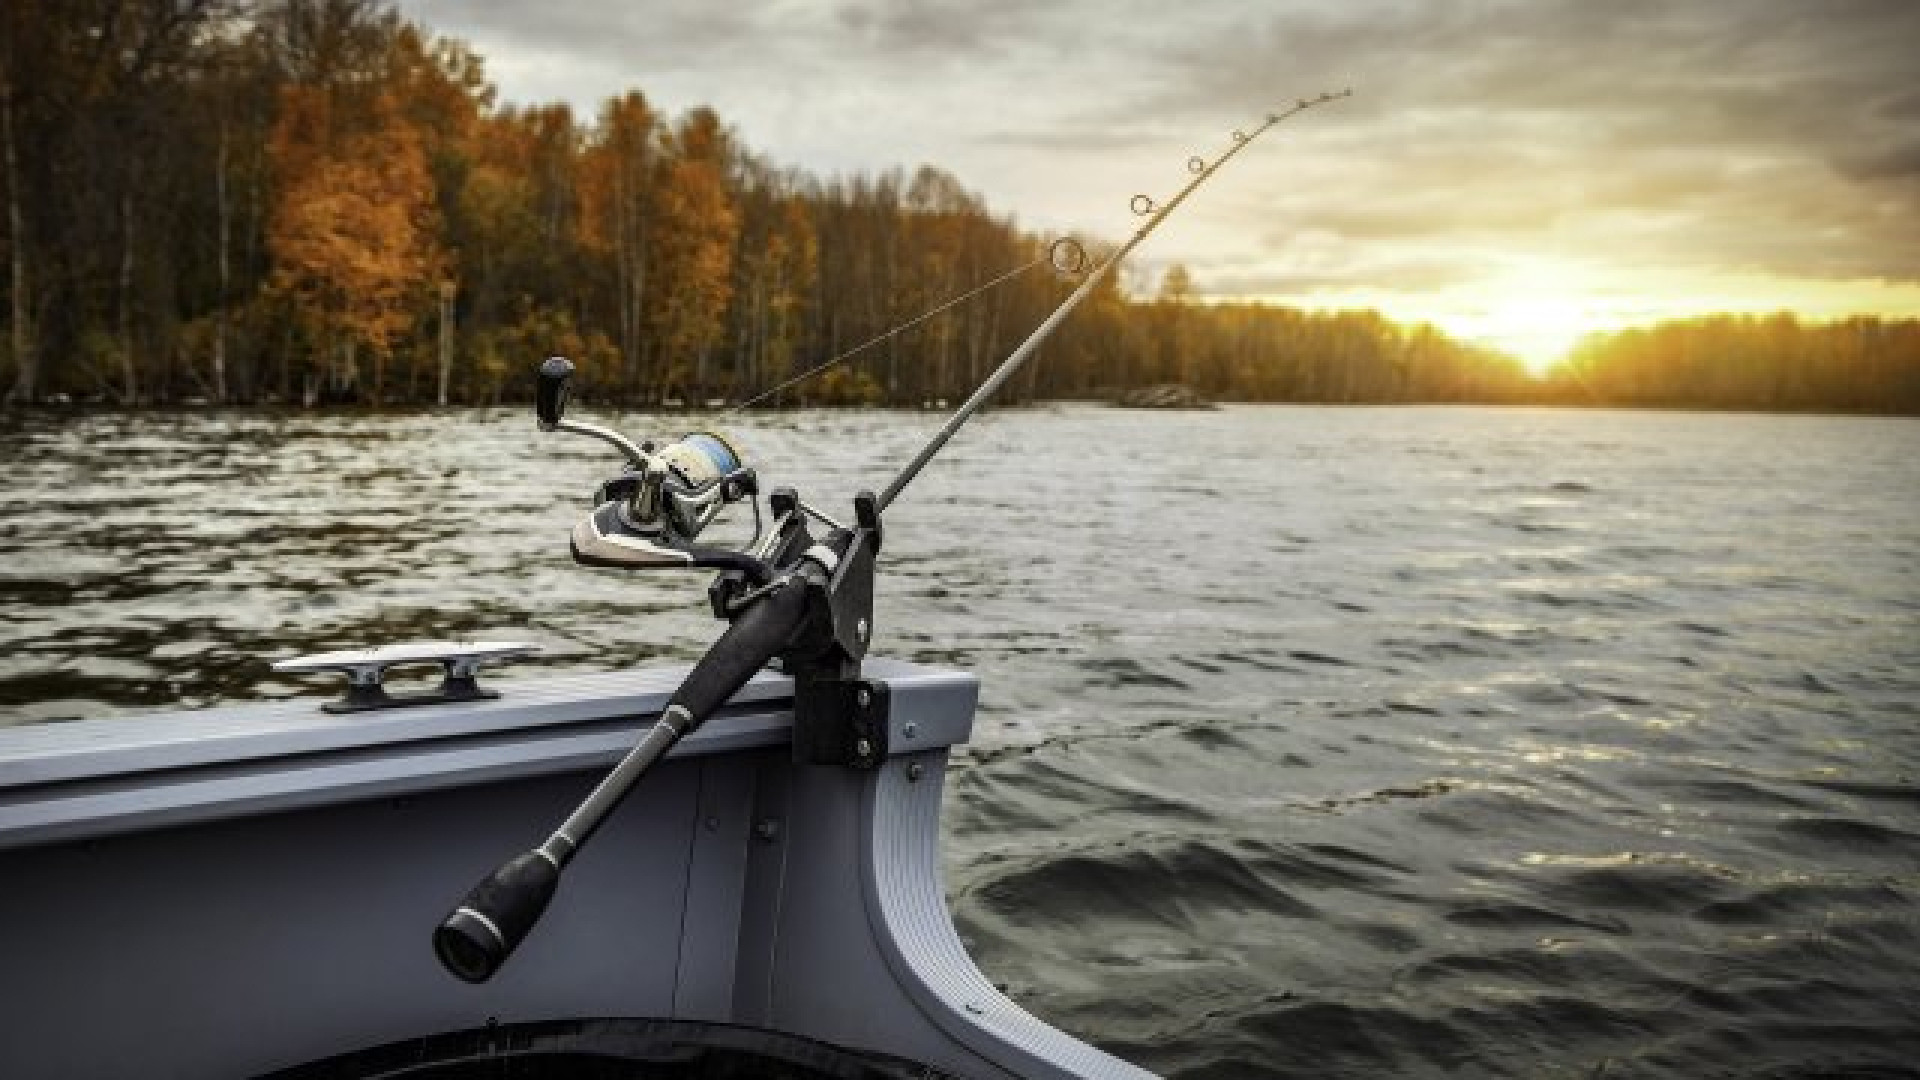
(550, 391)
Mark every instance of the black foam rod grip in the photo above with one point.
(478, 936)
(550, 395)
(758, 635)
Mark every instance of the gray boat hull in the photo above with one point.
(244, 891)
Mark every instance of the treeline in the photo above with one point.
(317, 201)
(1749, 362)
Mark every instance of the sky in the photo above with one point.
(1519, 173)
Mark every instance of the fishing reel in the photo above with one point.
(652, 514)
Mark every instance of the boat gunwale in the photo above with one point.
(62, 782)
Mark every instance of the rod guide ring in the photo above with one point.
(1067, 255)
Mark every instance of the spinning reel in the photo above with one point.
(652, 514)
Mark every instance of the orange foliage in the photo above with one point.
(354, 232)
(692, 264)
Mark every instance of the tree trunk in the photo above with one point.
(286, 363)
(348, 378)
(446, 341)
(129, 371)
(25, 365)
(226, 272)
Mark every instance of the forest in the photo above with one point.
(317, 202)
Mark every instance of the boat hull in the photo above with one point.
(253, 891)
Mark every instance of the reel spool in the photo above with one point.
(653, 513)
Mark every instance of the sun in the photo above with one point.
(1538, 330)
(1535, 310)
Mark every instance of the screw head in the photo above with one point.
(860, 629)
(863, 748)
(863, 697)
(914, 772)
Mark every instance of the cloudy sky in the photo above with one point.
(1519, 172)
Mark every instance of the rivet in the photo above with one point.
(863, 748)
(863, 697)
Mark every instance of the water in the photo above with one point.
(1314, 742)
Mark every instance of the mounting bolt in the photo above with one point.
(863, 697)
(914, 772)
(860, 630)
(767, 829)
(910, 730)
(863, 749)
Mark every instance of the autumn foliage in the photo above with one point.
(314, 201)
(354, 233)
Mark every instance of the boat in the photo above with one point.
(273, 889)
(251, 891)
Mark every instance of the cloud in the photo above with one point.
(1771, 137)
(1768, 135)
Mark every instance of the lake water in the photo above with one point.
(1314, 742)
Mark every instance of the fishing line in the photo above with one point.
(1066, 255)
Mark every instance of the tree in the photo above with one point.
(617, 211)
(1176, 345)
(20, 339)
(354, 234)
(692, 255)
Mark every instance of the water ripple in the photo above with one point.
(1313, 742)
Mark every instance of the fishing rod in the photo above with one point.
(1141, 205)
(785, 594)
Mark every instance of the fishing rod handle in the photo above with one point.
(756, 636)
(478, 936)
